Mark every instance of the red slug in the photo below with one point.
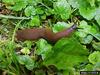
(37, 33)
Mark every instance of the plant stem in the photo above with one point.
(13, 17)
(14, 33)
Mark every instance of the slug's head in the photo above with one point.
(74, 26)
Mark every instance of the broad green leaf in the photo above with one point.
(39, 11)
(96, 45)
(89, 67)
(60, 26)
(26, 60)
(68, 71)
(62, 9)
(30, 11)
(35, 21)
(92, 2)
(49, 11)
(87, 40)
(43, 48)
(73, 3)
(67, 52)
(80, 34)
(94, 57)
(84, 31)
(43, 17)
(47, 2)
(97, 66)
(97, 36)
(97, 17)
(18, 5)
(86, 10)
(84, 27)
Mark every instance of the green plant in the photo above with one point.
(80, 51)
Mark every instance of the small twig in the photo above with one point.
(17, 25)
(44, 5)
(13, 17)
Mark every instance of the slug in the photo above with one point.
(49, 35)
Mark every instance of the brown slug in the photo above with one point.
(49, 35)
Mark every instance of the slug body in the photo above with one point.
(37, 33)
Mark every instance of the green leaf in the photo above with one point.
(97, 36)
(87, 11)
(85, 30)
(30, 11)
(69, 70)
(39, 11)
(67, 52)
(7, 51)
(84, 27)
(35, 21)
(62, 9)
(49, 11)
(60, 26)
(97, 66)
(1, 53)
(92, 2)
(4, 63)
(43, 48)
(18, 5)
(87, 40)
(28, 44)
(9, 1)
(89, 67)
(73, 3)
(96, 45)
(43, 17)
(26, 60)
(97, 17)
(34, 2)
(94, 57)
(25, 51)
